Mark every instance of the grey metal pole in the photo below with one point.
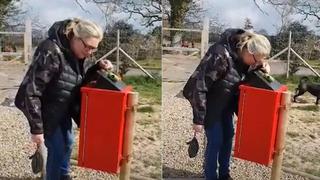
(28, 42)
(118, 49)
(288, 58)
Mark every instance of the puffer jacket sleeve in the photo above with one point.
(90, 67)
(209, 70)
(43, 69)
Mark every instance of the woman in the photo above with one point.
(49, 95)
(213, 92)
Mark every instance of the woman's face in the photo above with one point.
(251, 59)
(83, 48)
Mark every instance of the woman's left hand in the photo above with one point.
(262, 65)
(265, 67)
(106, 65)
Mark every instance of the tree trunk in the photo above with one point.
(179, 9)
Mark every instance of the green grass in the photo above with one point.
(148, 88)
(145, 109)
(314, 63)
(309, 108)
(150, 63)
(293, 81)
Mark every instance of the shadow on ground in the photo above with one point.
(18, 178)
(178, 173)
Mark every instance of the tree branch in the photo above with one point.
(80, 5)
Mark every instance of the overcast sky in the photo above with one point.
(50, 11)
(230, 12)
(234, 12)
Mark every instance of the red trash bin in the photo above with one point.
(257, 124)
(102, 128)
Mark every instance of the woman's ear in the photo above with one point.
(70, 35)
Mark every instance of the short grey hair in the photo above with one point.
(256, 44)
(83, 29)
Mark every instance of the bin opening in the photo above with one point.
(259, 79)
(107, 80)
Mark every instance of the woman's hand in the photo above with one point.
(106, 65)
(37, 138)
(265, 67)
(197, 128)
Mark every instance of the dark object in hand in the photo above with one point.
(193, 147)
(36, 162)
(305, 85)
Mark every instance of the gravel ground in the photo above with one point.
(16, 149)
(176, 125)
(15, 145)
(302, 151)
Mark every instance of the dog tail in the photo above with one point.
(304, 79)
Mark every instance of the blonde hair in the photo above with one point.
(83, 29)
(255, 43)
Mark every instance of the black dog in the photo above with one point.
(304, 86)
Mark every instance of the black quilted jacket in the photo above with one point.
(212, 89)
(50, 91)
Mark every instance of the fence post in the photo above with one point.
(132, 103)
(28, 42)
(118, 49)
(205, 36)
(288, 57)
(1, 57)
(281, 134)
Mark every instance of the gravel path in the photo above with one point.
(176, 122)
(302, 143)
(15, 145)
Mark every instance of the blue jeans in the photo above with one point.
(219, 145)
(59, 145)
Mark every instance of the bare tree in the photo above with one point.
(247, 24)
(10, 14)
(308, 9)
(149, 10)
(180, 13)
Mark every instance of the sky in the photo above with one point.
(47, 12)
(229, 12)
(234, 12)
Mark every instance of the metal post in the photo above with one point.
(27, 42)
(305, 62)
(205, 36)
(279, 53)
(1, 57)
(146, 72)
(288, 58)
(118, 49)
